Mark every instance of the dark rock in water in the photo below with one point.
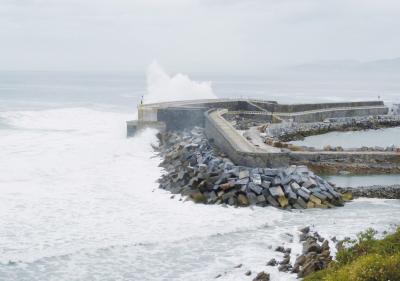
(280, 249)
(305, 230)
(248, 273)
(272, 262)
(284, 267)
(262, 276)
(218, 276)
(286, 260)
(238, 266)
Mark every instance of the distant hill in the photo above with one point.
(351, 66)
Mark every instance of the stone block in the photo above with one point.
(310, 183)
(295, 185)
(276, 181)
(283, 201)
(266, 184)
(252, 198)
(256, 178)
(244, 174)
(255, 188)
(301, 202)
(310, 205)
(315, 199)
(271, 200)
(320, 195)
(305, 190)
(276, 191)
(242, 200)
(261, 199)
(270, 172)
(242, 181)
(303, 194)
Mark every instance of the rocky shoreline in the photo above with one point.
(196, 170)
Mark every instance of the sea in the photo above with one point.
(80, 201)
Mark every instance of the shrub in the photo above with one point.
(368, 259)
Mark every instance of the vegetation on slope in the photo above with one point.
(368, 259)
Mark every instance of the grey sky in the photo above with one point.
(193, 35)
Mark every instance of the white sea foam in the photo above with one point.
(79, 201)
(162, 87)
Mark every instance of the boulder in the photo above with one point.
(255, 188)
(244, 174)
(272, 262)
(262, 276)
(276, 191)
(283, 201)
(242, 200)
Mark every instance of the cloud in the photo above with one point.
(193, 35)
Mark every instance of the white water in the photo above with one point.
(79, 201)
(162, 87)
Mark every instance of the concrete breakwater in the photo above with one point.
(195, 169)
(212, 115)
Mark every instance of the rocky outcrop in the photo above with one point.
(315, 256)
(196, 170)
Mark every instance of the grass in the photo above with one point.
(368, 259)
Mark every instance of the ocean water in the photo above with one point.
(364, 180)
(79, 201)
(371, 138)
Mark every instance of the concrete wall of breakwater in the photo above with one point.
(236, 147)
(290, 108)
(209, 114)
(185, 114)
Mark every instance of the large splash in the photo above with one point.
(162, 87)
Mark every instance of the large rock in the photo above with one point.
(276, 191)
(262, 276)
(242, 200)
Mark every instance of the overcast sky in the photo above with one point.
(226, 36)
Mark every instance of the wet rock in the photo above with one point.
(284, 267)
(286, 260)
(272, 262)
(242, 200)
(238, 266)
(262, 276)
(248, 273)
